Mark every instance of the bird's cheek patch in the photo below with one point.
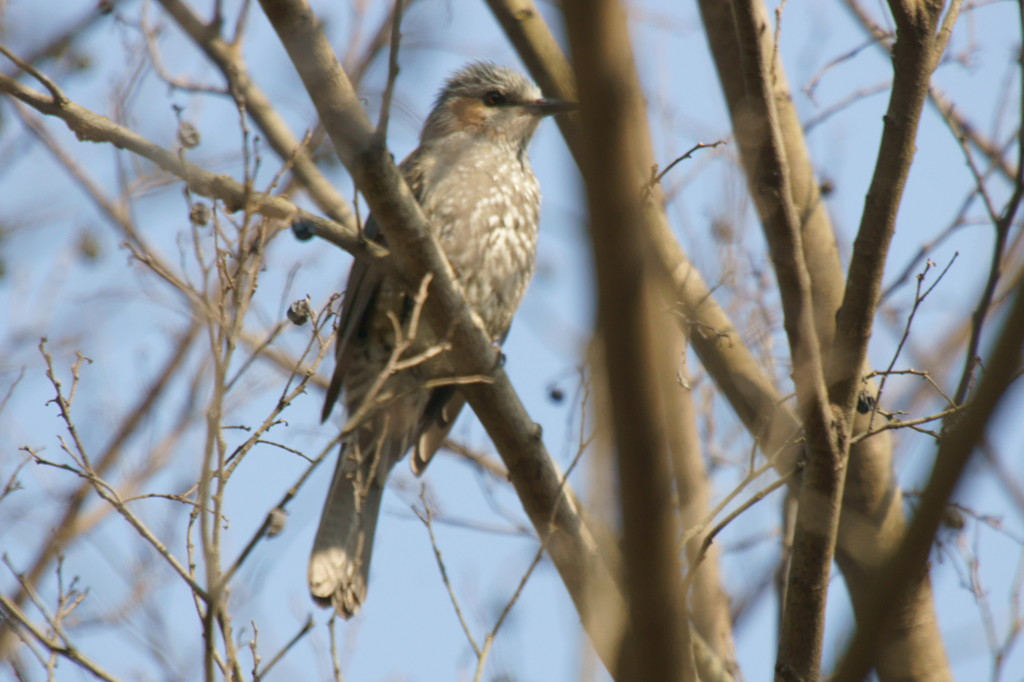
(469, 112)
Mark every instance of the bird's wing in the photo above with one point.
(445, 402)
(361, 290)
(364, 281)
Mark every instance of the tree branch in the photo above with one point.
(615, 158)
(915, 54)
(872, 521)
(228, 58)
(92, 127)
(803, 621)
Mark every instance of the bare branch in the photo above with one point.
(89, 126)
(65, 650)
(303, 631)
(389, 88)
(614, 157)
(802, 630)
(227, 57)
(426, 516)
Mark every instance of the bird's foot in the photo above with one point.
(499, 356)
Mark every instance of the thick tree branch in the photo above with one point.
(615, 157)
(817, 235)
(721, 350)
(803, 621)
(918, 47)
(872, 521)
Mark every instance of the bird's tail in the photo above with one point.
(340, 562)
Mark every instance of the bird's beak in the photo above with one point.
(549, 107)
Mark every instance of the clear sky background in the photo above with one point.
(119, 315)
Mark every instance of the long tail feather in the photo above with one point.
(339, 565)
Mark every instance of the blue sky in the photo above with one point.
(119, 315)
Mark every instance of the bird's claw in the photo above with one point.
(499, 357)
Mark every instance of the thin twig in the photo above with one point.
(657, 177)
(709, 538)
(335, 660)
(909, 424)
(303, 631)
(64, 650)
(426, 517)
(919, 298)
(59, 98)
(1002, 225)
(489, 639)
(812, 84)
(389, 89)
(273, 519)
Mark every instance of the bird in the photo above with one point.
(472, 177)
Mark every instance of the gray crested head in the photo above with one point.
(495, 102)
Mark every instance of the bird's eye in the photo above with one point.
(495, 98)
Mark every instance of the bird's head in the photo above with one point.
(489, 100)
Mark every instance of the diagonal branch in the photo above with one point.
(92, 127)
